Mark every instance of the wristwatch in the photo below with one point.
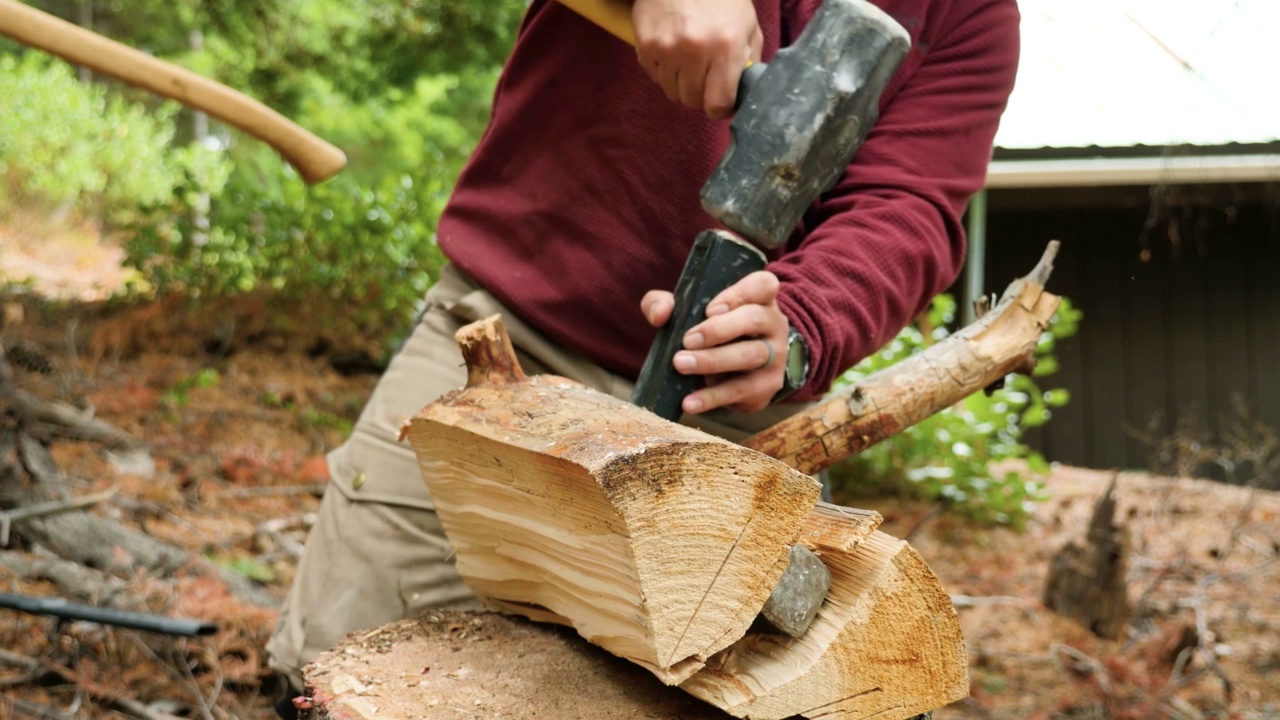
(797, 367)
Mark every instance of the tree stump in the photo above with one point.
(484, 666)
(1087, 581)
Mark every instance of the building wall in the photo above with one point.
(1169, 335)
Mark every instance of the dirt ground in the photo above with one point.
(236, 443)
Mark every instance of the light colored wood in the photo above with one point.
(655, 541)
(315, 159)
(1001, 342)
(833, 528)
(887, 644)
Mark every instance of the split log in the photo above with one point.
(656, 541)
(886, 644)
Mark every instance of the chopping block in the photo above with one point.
(657, 542)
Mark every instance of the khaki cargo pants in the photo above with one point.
(377, 552)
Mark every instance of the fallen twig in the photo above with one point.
(106, 696)
(66, 420)
(927, 518)
(1091, 664)
(8, 517)
(40, 712)
(275, 531)
(204, 704)
(30, 667)
(268, 491)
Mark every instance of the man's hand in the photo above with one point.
(697, 49)
(741, 347)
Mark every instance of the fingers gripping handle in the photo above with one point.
(614, 17)
(718, 260)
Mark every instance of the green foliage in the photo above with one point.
(176, 396)
(402, 86)
(313, 419)
(253, 569)
(363, 242)
(949, 457)
(65, 143)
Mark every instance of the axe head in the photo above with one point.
(803, 118)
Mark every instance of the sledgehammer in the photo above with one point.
(798, 121)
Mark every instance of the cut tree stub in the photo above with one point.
(656, 541)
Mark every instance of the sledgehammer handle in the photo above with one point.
(314, 158)
(613, 16)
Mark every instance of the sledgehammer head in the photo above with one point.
(803, 119)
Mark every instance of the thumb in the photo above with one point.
(657, 306)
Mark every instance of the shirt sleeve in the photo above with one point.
(875, 249)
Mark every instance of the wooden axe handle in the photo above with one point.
(315, 159)
(613, 16)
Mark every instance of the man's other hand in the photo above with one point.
(741, 347)
(697, 49)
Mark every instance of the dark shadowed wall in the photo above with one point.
(1181, 298)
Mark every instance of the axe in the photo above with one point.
(314, 159)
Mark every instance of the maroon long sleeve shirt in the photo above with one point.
(583, 192)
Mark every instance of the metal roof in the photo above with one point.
(1125, 73)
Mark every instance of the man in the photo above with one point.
(574, 217)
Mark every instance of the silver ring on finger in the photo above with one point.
(768, 361)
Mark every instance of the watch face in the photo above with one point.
(797, 361)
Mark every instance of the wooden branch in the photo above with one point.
(106, 544)
(1001, 342)
(8, 517)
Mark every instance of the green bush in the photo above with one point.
(949, 457)
(63, 143)
(362, 242)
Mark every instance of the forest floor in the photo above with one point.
(232, 468)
